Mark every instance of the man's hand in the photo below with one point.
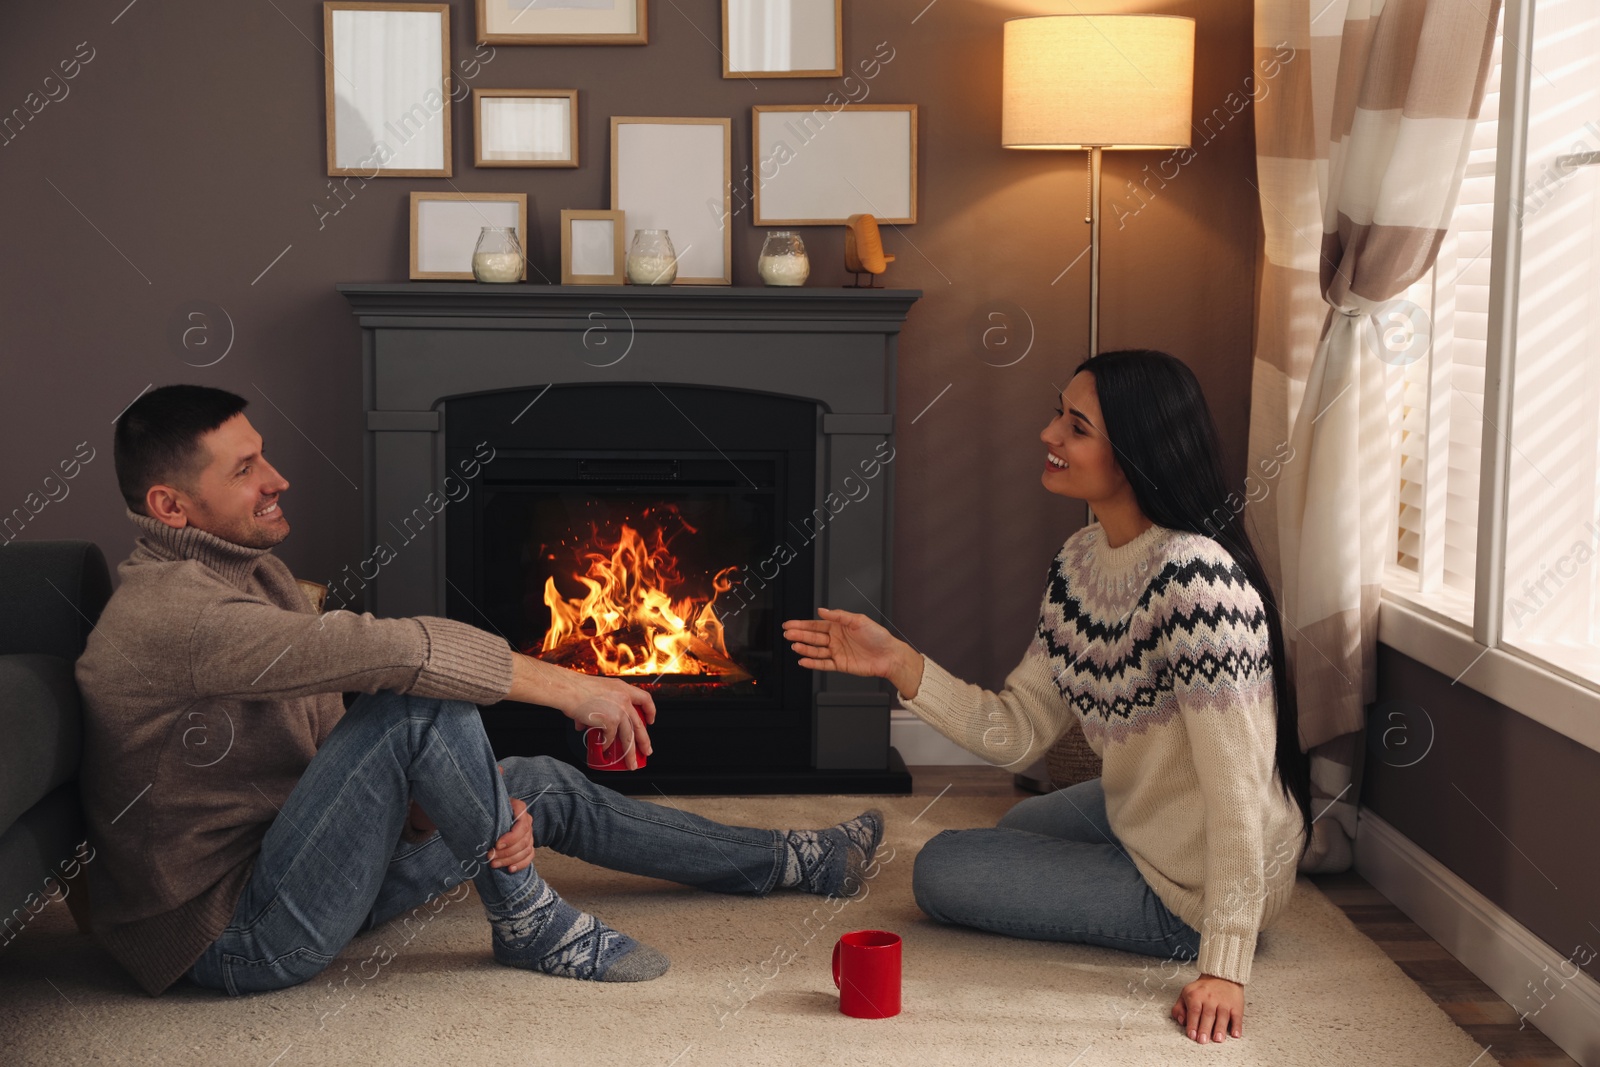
(616, 715)
(1211, 1008)
(514, 850)
(618, 710)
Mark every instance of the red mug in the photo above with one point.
(866, 968)
(612, 757)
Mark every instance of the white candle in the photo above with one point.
(784, 270)
(646, 269)
(497, 266)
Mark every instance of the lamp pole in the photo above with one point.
(1093, 219)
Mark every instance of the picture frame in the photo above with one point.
(525, 127)
(592, 251)
(387, 103)
(562, 22)
(669, 174)
(794, 39)
(444, 230)
(817, 166)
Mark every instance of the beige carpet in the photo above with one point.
(1321, 993)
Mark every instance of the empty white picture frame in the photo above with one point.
(591, 247)
(525, 127)
(817, 165)
(673, 174)
(562, 22)
(782, 38)
(387, 86)
(445, 229)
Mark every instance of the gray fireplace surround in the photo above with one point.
(426, 343)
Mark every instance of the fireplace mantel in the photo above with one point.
(424, 344)
(800, 307)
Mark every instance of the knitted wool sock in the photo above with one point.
(542, 932)
(831, 862)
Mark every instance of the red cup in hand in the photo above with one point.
(866, 968)
(612, 757)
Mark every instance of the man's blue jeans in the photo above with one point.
(1052, 870)
(329, 865)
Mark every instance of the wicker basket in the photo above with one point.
(1071, 760)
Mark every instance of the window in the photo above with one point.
(1499, 474)
(1437, 334)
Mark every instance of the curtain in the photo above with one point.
(1364, 116)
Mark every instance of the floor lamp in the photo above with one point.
(1093, 82)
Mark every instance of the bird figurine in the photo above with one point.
(863, 251)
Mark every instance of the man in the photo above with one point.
(247, 825)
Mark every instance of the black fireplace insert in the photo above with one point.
(617, 530)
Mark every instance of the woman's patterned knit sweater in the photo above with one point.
(1160, 647)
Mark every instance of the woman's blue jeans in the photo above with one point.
(1052, 870)
(329, 866)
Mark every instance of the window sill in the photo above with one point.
(1501, 674)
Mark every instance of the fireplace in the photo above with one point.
(654, 516)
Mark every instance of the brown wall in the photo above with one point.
(1493, 795)
(193, 141)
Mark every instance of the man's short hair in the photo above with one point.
(158, 438)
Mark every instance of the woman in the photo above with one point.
(1157, 632)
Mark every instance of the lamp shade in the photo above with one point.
(1108, 81)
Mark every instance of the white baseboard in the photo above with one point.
(1508, 957)
(922, 745)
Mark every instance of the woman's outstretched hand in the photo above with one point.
(854, 644)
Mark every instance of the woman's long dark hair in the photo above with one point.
(1166, 444)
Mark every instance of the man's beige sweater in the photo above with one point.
(208, 684)
(1159, 647)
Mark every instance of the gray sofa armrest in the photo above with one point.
(41, 720)
(51, 593)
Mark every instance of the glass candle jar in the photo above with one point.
(651, 258)
(783, 259)
(498, 255)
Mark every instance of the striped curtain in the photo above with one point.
(1364, 116)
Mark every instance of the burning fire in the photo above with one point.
(629, 622)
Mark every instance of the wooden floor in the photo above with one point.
(1487, 1019)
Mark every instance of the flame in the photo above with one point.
(629, 619)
